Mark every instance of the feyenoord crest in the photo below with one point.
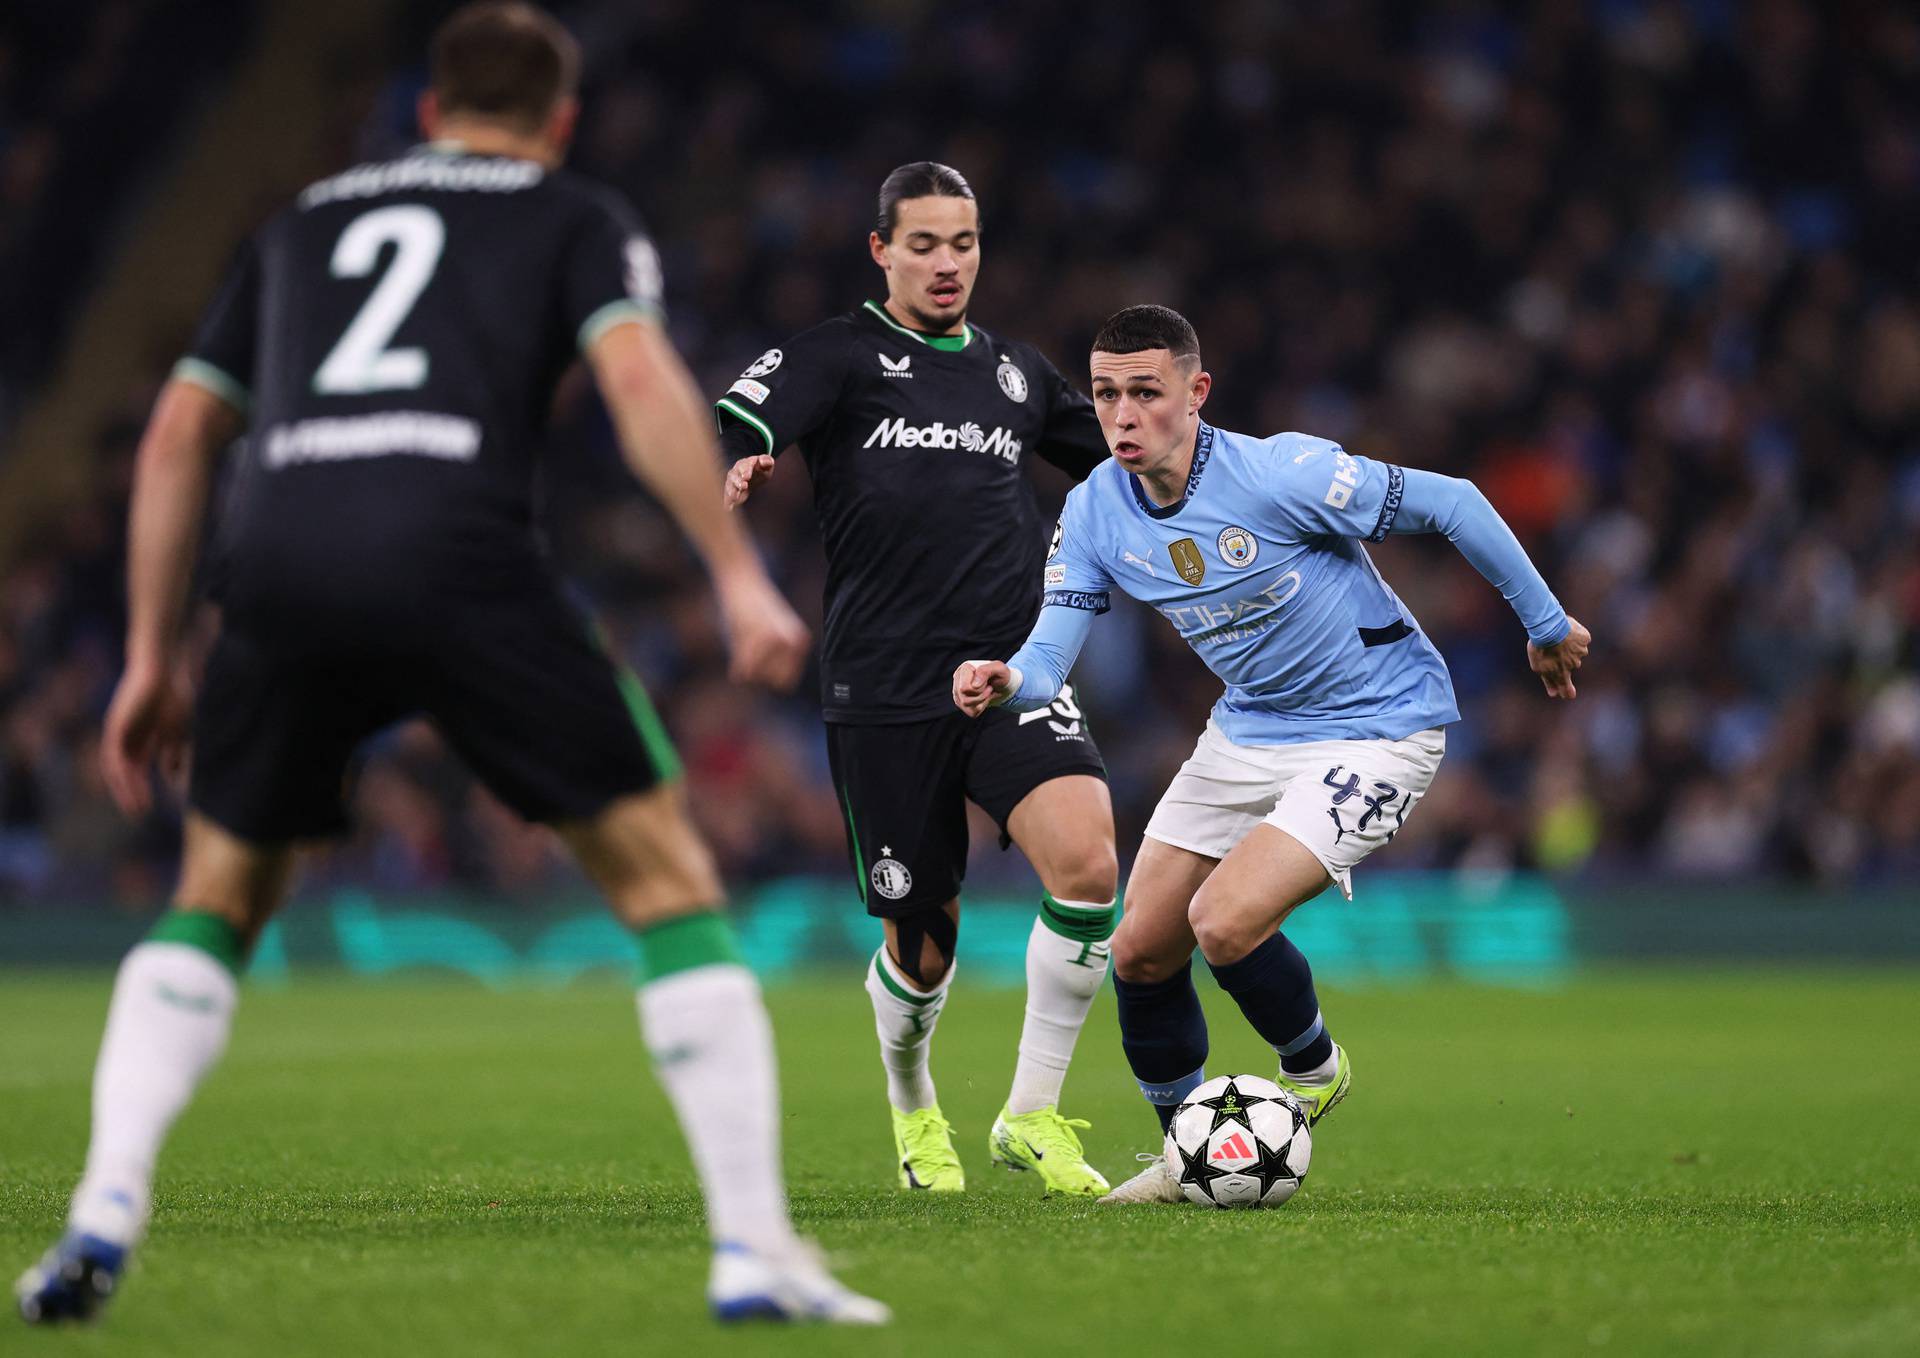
(1012, 381)
(764, 364)
(1237, 546)
(891, 879)
(1186, 560)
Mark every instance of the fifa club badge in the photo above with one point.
(890, 878)
(1012, 381)
(1237, 546)
(1186, 560)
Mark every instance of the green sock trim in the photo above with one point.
(1082, 926)
(701, 940)
(209, 933)
(894, 988)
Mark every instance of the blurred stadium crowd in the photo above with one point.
(1645, 271)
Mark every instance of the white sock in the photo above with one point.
(1321, 1074)
(1063, 975)
(172, 1010)
(904, 1015)
(712, 1048)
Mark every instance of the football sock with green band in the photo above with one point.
(172, 1009)
(706, 1028)
(698, 940)
(1066, 966)
(904, 1015)
(209, 933)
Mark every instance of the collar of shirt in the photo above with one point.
(1202, 451)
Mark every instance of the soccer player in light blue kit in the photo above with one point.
(1333, 720)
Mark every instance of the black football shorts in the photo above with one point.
(903, 791)
(522, 689)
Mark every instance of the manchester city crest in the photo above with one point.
(1237, 546)
(1012, 381)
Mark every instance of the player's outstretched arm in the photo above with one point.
(1036, 673)
(1431, 503)
(147, 718)
(664, 435)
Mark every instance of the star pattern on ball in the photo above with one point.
(1230, 1105)
(1273, 1166)
(1195, 1170)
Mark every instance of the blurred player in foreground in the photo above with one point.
(914, 424)
(392, 341)
(1332, 723)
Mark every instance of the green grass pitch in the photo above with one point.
(1647, 1162)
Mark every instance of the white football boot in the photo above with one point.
(1154, 1183)
(792, 1284)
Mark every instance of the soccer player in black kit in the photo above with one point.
(391, 343)
(914, 424)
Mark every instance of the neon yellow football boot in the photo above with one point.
(1318, 1099)
(1043, 1140)
(923, 1143)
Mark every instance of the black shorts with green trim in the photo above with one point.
(522, 689)
(904, 788)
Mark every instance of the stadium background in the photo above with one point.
(1644, 269)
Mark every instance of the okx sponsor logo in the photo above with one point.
(897, 433)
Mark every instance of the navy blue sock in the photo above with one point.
(1273, 985)
(1164, 1034)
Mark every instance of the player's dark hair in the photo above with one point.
(921, 179)
(1136, 329)
(503, 60)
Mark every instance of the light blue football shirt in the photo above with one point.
(1261, 568)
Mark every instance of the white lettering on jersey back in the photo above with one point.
(897, 433)
(408, 433)
(432, 171)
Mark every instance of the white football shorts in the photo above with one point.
(1341, 798)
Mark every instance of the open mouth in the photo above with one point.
(945, 294)
(1127, 451)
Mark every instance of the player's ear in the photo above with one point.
(878, 249)
(426, 110)
(558, 133)
(1197, 391)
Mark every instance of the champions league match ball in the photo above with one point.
(1239, 1141)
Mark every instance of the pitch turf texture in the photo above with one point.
(1650, 1162)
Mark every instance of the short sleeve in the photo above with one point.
(222, 355)
(1323, 490)
(1074, 576)
(1072, 440)
(788, 392)
(610, 273)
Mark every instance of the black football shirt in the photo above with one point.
(395, 337)
(933, 536)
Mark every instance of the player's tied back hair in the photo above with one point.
(921, 179)
(1136, 329)
(503, 60)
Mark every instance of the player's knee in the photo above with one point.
(1090, 873)
(923, 942)
(1226, 927)
(1137, 960)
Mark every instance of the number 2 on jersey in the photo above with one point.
(361, 362)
